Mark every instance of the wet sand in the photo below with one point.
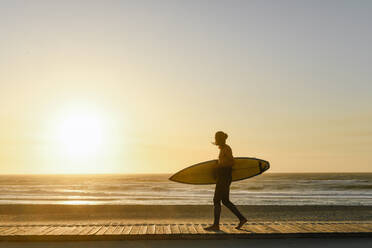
(175, 213)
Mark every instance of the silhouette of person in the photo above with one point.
(222, 190)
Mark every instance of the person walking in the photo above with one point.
(222, 190)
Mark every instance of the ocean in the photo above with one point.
(268, 189)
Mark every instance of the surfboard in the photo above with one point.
(204, 172)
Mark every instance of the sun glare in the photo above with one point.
(81, 135)
(82, 141)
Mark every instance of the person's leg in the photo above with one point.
(217, 209)
(233, 208)
(226, 201)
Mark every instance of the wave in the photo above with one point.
(147, 189)
(352, 187)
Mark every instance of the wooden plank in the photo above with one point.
(68, 230)
(303, 227)
(174, 229)
(102, 230)
(346, 228)
(143, 229)
(126, 230)
(268, 229)
(135, 229)
(10, 230)
(366, 226)
(98, 228)
(243, 229)
(257, 228)
(297, 228)
(21, 230)
(18, 229)
(84, 229)
(150, 229)
(118, 229)
(74, 231)
(224, 228)
(325, 227)
(110, 230)
(159, 229)
(356, 228)
(231, 228)
(37, 230)
(167, 229)
(3, 229)
(275, 228)
(200, 229)
(293, 228)
(339, 228)
(46, 230)
(316, 227)
(94, 230)
(330, 228)
(41, 230)
(87, 229)
(191, 229)
(205, 225)
(313, 228)
(183, 228)
(282, 228)
(58, 230)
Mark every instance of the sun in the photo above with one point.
(84, 140)
(80, 134)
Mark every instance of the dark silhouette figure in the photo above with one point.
(222, 191)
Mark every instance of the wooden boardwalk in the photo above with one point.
(122, 231)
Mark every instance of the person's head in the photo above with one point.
(220, 138)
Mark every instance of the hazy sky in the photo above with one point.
(289, 81)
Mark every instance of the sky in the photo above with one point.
(142, 86)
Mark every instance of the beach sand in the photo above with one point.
(174, 213)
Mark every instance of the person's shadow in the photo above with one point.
(243, 229)
(222, 231)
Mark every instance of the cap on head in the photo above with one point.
(220, 138)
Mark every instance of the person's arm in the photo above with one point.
(226, 158)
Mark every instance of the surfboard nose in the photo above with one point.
(263, 165)
(267, 165)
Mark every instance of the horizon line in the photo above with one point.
(163, 173)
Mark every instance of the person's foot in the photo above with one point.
(212, 228)
(241, 223)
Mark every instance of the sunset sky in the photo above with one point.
(142, 86)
